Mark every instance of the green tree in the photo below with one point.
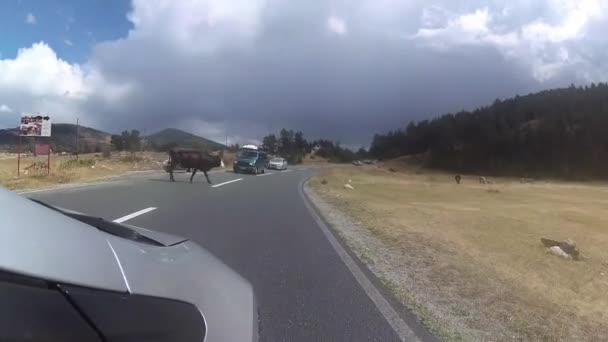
(129, 141)
(300, 143)
(133, 140)
(118, 142)
(270, 143)
(285, 142)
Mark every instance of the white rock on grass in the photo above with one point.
(556, 250)
(348, 186)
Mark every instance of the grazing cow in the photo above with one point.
(457, 178)
(193, 159)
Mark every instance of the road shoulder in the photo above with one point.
(337, 227)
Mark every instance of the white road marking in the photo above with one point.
(135, 214)
(228, 182)
(286, 171)
(400, 327)
(265, 174)
(120, 267)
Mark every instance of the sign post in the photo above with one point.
(34, 125)
(18, 155)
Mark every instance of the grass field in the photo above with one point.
(88, 167)
(467, 258)
(68, 169)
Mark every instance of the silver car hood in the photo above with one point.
(189, 273)
(164, 238)
(47, 244)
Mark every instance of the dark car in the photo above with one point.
(250, 160)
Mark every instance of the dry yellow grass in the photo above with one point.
(468, 256)
(65, 169)
(313, 159)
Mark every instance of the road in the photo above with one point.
(259, 226)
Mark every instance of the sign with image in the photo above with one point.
(35, 125)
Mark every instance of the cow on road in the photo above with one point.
(194, 160)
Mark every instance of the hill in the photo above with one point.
(63, 138)
(174, 137)
(555, 133)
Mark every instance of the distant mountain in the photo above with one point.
(176, 137)
(63, 138)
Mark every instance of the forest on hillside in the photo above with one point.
(555, 133)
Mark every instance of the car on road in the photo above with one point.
(277, 164)
(68, 276)
(250, 159)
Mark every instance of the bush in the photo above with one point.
(132, 158)
(106, 152)
(76, 163)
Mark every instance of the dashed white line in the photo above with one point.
(135, 214)
(286, 171)
(228, 182)
(265, 174)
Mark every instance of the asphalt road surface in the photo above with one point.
(259, 226)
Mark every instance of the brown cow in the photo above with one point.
(193, 159)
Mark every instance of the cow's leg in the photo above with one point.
(207, 176)
(193, 173)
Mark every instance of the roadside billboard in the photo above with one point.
(35, 125)
(42, 149)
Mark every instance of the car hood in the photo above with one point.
(50, 245)
(190, 273)
(164, 238)
(47, 244)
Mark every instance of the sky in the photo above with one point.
(241, 69)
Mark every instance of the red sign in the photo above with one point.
(43, 149)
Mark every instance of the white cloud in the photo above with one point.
(5, 109)
(30, 19)
(195, 25)
(37, 70)
(68, 42)
(337, 25)
(37, 80)
(540, 43)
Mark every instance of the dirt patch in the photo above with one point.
(467, 258)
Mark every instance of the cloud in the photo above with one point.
(37, 80)
(336, 25)
(548, 43)
(68, 42)
(244, 68)
(5, 109)
(30, 19)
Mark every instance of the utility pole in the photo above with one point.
(143, 140)
(77, 137)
